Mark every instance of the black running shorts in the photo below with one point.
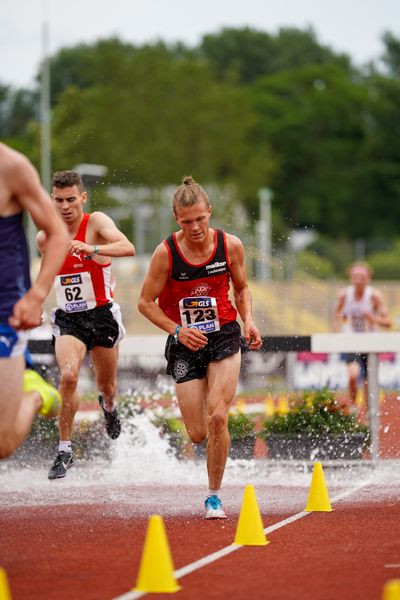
(99, 326)
(360, 359)
(186, 365)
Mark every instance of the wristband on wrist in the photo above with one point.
(95, 251)
(177, 330)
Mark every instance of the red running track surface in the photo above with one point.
(81, 552)
(92, 551)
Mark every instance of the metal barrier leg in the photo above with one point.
(373, 403)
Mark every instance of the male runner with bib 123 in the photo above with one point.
(86, 318)
(190, 275)
(23, 392)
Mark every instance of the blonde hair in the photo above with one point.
(360, 265)
(188, 194)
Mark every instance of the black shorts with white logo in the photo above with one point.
(99, 326)
(186, 365)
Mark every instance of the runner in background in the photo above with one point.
(190, 275)
(359, 308)
(86, 318)
(23, 392)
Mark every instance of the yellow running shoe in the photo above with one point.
(51, 399)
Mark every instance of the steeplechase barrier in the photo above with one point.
(371, 344)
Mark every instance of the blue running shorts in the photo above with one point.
(12, 343)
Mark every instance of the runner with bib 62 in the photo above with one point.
(190, 275)
(86, 318)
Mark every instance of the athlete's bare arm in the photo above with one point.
(41, 241)
(241, 291)
(153, 285)
(103, 232)
(25, 186)
(380, 315)
(338, 311)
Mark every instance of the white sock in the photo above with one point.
(213, 492)
(114, 406)
(65, 446)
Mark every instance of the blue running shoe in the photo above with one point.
(214, 508)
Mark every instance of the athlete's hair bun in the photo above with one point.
(188, 180)
(188, 194)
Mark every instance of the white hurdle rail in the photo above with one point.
(371, 344)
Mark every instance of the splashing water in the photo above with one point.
(143, 475)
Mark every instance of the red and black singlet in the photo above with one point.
(197, 295)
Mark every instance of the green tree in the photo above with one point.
(247, 54)
(313, 120)
(391, 57)
(106, 62)
(88, 65)
(244, 109)
(17, 109)
(156, 119)
(378, 184)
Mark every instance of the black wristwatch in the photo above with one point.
(95, 251)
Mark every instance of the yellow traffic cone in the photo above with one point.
(4, 588)
(156, 571)
(269, 407)
(250, 529)
(318, 497)
(391, 591)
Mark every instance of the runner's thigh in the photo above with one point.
(105, 362)
(11, 377)
(223, 376)
(70, 353)
(192, 398)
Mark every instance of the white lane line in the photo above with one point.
(210, 558)
(392, 566)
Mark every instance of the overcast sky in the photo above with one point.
(351, 26)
